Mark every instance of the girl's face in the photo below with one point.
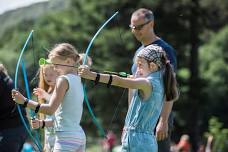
(144, 68)
(62, 69)
(50, 75)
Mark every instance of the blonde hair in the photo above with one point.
(89, 61)
(43, 84)
(64, 51)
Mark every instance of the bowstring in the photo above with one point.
(123, 93)
(36, 77)
(101, 129)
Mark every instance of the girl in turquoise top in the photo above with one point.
(153, 82)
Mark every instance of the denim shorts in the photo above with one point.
(138, 141)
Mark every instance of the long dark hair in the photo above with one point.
(170, 82)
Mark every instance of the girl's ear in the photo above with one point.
(153, 66)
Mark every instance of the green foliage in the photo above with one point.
(77, 21)
(220, 135)
(214, 69)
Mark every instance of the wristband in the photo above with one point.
(26, 102)
(109, 81)
(43, 124)
(97, 79)
(37, 108)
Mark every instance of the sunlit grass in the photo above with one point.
(94, 148)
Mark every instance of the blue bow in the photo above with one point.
(20, 61)
(101, 130)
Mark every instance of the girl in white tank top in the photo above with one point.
(66, 100)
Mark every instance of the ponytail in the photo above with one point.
(170, 83)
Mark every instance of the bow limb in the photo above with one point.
(16, 86)
(94, 37)
(101, 130)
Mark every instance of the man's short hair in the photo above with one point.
(144, 13)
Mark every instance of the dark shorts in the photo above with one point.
(164, 145)
(12, 139)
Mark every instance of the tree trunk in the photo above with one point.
(194, 90)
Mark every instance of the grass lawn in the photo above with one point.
(94, 148)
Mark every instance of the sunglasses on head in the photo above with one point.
(139, 27)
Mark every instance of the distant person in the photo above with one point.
(12, 131)
(88, 62)
(209, 143)
(184, 144)
(109, 142)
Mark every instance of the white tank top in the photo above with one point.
(69, 113)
